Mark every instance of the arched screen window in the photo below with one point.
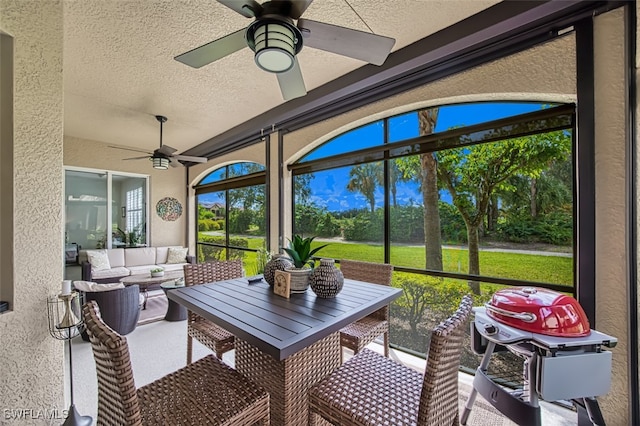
(459, 198)
(231, 215)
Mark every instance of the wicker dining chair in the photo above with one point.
(205, 392)
(209, 334)
(370, 389)
(360, 333)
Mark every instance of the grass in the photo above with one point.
(527, 267)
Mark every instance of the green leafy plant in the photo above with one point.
(300, 252)
(155, 270)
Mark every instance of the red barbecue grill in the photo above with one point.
(563, 359)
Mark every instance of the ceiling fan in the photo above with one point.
(276, 40)
(164, 156)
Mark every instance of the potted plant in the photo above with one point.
(300, 253)
(157, 272)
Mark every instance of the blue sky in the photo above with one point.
(329, 187)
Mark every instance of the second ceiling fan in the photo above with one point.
(165, 155)
(276, 40)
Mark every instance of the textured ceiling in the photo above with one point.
(119, 69)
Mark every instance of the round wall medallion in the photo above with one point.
(169, 209)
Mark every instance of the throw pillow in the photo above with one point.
(98, 259)
(90, 286)
(177, 255)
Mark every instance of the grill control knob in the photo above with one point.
(490, 329)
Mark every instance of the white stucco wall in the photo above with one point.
(612, 311)
(162, 183)
(31, 361)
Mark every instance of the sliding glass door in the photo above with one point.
(104, 210)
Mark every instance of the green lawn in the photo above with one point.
(549, 269)
(529, 267)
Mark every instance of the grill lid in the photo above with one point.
(539, 310)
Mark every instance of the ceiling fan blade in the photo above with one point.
(136, 158)
(166, 150)
(130, 149)
(191, 158)
(298, 7)
(175, 163)
(248, 8)
(291, 82)
(355, 44)
(212, 51)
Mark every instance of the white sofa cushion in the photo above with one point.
(172, 266)
(110, 273)
(116, 257)
(139, 256)
(99, 260)
(177, 255)
(95, 287)
(162, 252)
(142, 269)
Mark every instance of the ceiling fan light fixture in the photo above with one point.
(275, 44)
(160, 163)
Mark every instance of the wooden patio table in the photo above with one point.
(284, 345)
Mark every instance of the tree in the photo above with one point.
(429, 183)
(423, 169)
(471, 174)
(364, 178)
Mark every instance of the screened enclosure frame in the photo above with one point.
(556, 118)
(225, 185)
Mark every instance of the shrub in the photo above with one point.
(364, 227)
(555, 228)
(208, 252)
(207, 225)
(327, 226)
(517, 230)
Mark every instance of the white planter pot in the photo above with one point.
(299, 279)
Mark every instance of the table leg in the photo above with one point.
(288, 381)
(145, 296)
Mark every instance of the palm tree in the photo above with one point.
(364, 178)
(429, 183)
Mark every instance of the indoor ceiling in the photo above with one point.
(119, 67)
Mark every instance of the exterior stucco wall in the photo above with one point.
(611, 203)
(162, 183)
(32, 362)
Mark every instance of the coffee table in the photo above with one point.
(146, 280)
(175, 311)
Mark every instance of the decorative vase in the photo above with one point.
(299, 279)
(278, 262)
(326, 280)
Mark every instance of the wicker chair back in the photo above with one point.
(117, 398)
(439, 397)
(209, 334)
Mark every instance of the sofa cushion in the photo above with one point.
(89, 286)
(142, 269)
(177, 255)
(168, 267)
(162, 252)
(99, 260)
(110, 273)
(116, 257)
(139, 256)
